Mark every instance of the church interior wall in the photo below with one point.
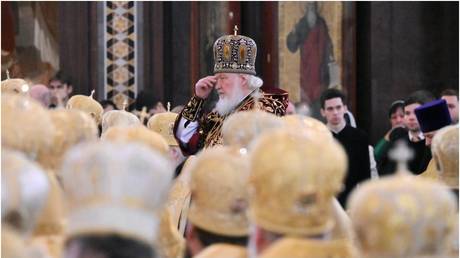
(399, 47)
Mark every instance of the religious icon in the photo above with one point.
(310, 49)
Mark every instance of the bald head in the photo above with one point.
(41, 93)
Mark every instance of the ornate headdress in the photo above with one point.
(163, 124)
(26, 125)
(308, 125)
(241, 128)
(17, 86)
(115, 188)
(72, 126)
(219, 197)
(139, 134)
(402, 215)
(118, 118)
(235, 54)
(88, 105)
(294, 178)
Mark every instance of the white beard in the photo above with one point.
(226, 104)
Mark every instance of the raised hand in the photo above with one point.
(204, 86)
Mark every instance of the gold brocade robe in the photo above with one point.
(209, 132)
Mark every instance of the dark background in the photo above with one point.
(397, 48)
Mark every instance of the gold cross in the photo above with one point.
(125, 104)
(402, 154)
(235, 30)
(143, 114)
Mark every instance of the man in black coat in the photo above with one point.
(354, 141)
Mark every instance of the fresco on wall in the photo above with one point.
(310, 40)
(30, 40)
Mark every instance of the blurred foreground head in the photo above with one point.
(294, 178)
(403, 215)
(115, 190)
(26, 125)
(25, 190)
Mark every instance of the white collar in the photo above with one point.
(420, 136)
(337, 129)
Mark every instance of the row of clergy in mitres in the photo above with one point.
(269, 191)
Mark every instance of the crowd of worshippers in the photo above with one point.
(243, 177)
(60, 88)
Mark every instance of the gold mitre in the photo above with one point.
(163, 124)
(219, 196)
(241, 128)
(310, 248)
(138, 134)
(307, 124)
(26, 124)
(88, 105)
(115, 188)
(24, 191)
(15, 86)
(118, 118)
(72, 126)
(402, 216)
(235, 54)
(294, 178)
(445, 153)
